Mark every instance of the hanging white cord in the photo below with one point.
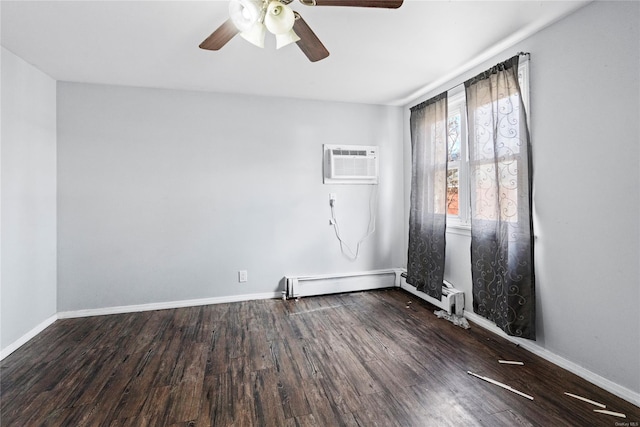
(370, 228)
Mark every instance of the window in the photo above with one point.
(457, 182)
(458, 202)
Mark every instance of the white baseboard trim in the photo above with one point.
(27, 337)
(165, 305)
(610, 386)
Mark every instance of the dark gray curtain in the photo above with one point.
(428, 211)
(500, 174)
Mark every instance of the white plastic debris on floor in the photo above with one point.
(456, 320)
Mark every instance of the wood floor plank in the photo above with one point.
(290, 381)
(303, 421)
(327, 406)
(218, 356)
(102, 368)
(380, 409)
(343, 364)
(155, 410)
(228, 397)
(132, 399)
(333, 380)
(298, 356)
(185, 395)
(266, 398)
(358, 359)
(433, 403)
(218, 404)
(395, 375)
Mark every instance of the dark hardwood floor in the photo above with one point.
(361, 359)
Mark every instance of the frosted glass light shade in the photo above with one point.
(285, 39)
(244, 13)
(255, 35)
(279, 18)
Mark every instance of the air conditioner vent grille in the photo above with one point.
(349, 152)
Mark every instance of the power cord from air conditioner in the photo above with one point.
(371, 228)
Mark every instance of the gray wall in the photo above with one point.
(585, 101)
(164, 195)
(28, 199)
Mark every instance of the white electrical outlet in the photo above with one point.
(242, 276)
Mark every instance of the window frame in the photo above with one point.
(457, 103)
(461, 223)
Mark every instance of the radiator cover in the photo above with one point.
(321, 284)
(452, 299)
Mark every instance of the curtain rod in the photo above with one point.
(527, 54)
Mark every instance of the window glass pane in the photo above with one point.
(506, 141)
(453, 172)
(496, 191)
(454, 137)
(452, 190)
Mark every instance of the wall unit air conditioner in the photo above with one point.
(350, 164)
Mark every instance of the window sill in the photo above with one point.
(465, 230)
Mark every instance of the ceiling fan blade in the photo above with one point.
(309, 43)
(387, 4)
(220, 36)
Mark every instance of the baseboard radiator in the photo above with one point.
(452, 300)
(322, 284)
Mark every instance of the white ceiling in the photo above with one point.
(378, 56)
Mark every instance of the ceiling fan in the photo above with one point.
(253, 18)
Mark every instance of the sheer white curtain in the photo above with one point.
(428, 211)
(500, 174)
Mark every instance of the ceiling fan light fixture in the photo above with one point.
(285, 39)
(279, 18)
(245, 13)
(255, 35)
